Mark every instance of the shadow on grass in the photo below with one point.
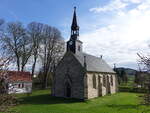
(47, 99)
(129, 106)
(121, 107)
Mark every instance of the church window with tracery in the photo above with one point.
(94, 81)
(104, 81)
(111, 80)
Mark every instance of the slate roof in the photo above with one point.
(94, 64)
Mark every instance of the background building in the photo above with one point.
(19, 82)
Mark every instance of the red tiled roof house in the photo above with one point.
(19, 82)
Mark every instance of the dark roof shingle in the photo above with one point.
(94, 64)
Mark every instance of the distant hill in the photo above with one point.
(129, 71)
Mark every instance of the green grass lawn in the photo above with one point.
(41, 102)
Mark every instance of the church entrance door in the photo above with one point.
(68, 90)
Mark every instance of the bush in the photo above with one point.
(6, 102)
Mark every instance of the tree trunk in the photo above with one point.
(33, 66)
(22, 68)
(44, 83)
(18, 64)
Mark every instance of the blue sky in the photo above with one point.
(53, 12)
(116, 29)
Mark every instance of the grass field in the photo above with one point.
(41, 102)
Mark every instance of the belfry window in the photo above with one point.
(94, 81)
(79, 48)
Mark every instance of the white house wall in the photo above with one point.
(13, 87)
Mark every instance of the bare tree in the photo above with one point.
(12, 41)
(52, 49)
(26, 51)
(35, 33)
(145, 62)
(124, 76)
(3, 75)
(1, 30)
(17, 43)
(6, 100)
(37, 41)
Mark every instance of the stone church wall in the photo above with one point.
(96, 92)
(92, 92)
(113, 87)
(69, 70)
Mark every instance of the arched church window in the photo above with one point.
(94, 81)
(104, 80)
(108, 78)
(111, 80)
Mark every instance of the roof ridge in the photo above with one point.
(92, 55)
(94, 63)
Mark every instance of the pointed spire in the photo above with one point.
(74, 26)
(114, 65)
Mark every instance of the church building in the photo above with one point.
(81, 75)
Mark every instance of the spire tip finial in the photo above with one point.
(74, 7)
(74, 26)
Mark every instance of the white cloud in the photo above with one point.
(113, 5)
(126, 34)
(134, 1)
(117, 5)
